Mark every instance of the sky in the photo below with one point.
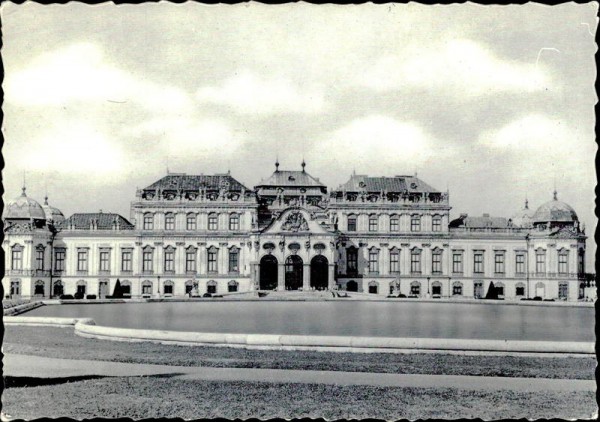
(493, 103)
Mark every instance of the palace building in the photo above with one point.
(193, 235)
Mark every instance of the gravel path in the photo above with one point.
(42, 367)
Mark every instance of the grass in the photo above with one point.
(63, 343)
(152, 397)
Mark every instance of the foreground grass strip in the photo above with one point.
(63, 343)
(147, 397)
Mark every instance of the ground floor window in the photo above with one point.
(211, 287)
(563, 291)
(58, 288)
(457, 289)
(126, 288)
(39, 288)
(189, 286)
(147, 288)
(436, 288)
(168, 287)
(415, 288)
(500, 290)
(352, 286)
(520, 290)
(232, 286)
(373, 287)
(80, 292)
(15, 288)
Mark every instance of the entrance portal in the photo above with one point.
(319, 273)
(352, 286)
(268, 273)
(293, 272)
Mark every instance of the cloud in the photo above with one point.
(532, 132)
(250, 94)
(373, 142)
(80, 73)
(74, 148)
(185, 136)
(461, 65)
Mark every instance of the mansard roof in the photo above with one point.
(196, 182)
(290, 178)
(359, 182)
(484, 221)
(104, 221)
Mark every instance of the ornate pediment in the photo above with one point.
(295, 222)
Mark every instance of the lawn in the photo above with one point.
(148, 397)
(63, 343)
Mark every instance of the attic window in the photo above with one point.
(413, 185)
(291, 178)
(362, 184)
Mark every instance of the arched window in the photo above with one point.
(39, 288)
(211, 287)
(415, 288)
(232, 286)
(520, 289)
(373, 287)
(126, 288)
(563, 290)
(191, 221)
(352, 223)
(457, 288)
(146, 287)
(213, 221)
(373, 223)
(394, 223)
(234, 221)
(148, 221)
(169, 221)
(168, 287)
(57, 289)
(17, 257)
(436, 288)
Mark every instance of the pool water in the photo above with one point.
(372, 319)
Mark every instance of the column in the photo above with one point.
(331, 277)
(255, 276)
(306, 277)
(280, 276)
(158, 265)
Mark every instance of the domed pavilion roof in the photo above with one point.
(52, 213)
(555, 211)
(22, 208)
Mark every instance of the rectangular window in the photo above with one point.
(394, 262)
(520, 291)
(59, 260)
(436, 224)
(499, 263)
(563, 266)
(82, 261)
(415, 289)
(39, 259)
(394, 224)
(169, 222)
(581, 262)
(436, 263)
(190, 223)
(352, 224)
(17, 259)
(520, 264)
(169, 260)
(457, 262)
(104, 261)
(373, 261)
(415, 223)
(457, 290)
(563, 291)
(234, 222)
(149, 222)
(540, 262)
(146, 289)
(147, 258)
(212, 222)
(126, 261)
(415, 262)
(478, 262)
(212, 261)
(190, 261)
(372, 224)
(351, 261)
(234, 266)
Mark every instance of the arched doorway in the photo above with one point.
(293, 272)
(319, 273)
(58, 289)
(352, 286)
(268, 273)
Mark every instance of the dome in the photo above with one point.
(555, 211)
(522, 218)
(23, 207)
(53, 214)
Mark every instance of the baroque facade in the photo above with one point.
(195, 235)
